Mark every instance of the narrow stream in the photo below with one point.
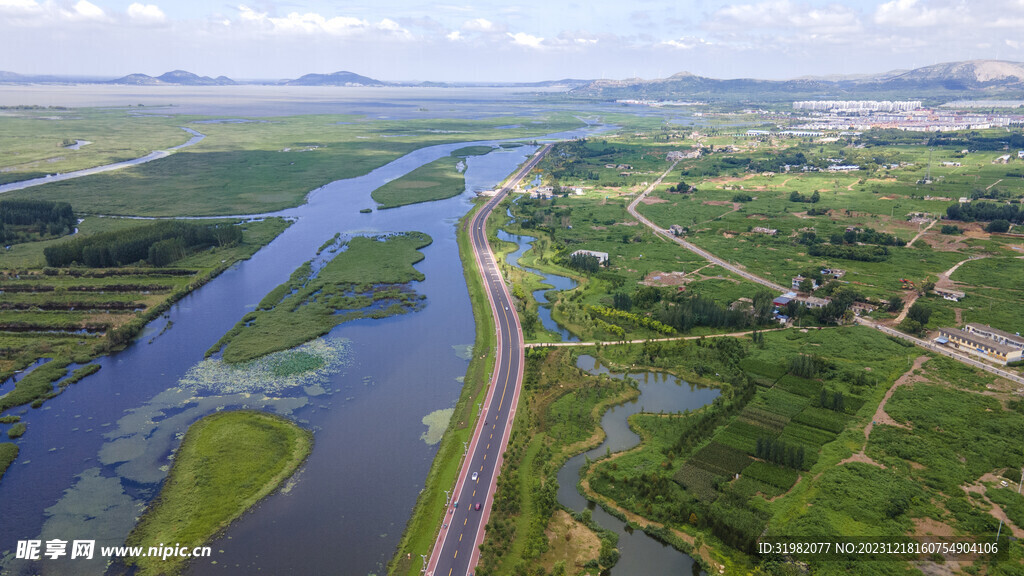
(554, 280)
(640, 553)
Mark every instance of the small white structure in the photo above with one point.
(602, 257)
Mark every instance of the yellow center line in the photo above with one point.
(456, 554)
(464, 521)
(474, 493)
(488, 446)
(460, 537)
(485, 456)
(450, 571)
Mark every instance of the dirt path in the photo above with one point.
(996, 511)
(949, 272)
(993, 184)
(921, 233)
(908, 301)
(881, 417)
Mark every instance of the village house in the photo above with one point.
(813, 301)
(797, 280)
(763, 230)
(602, 257)
(953, 295)
(985, 341)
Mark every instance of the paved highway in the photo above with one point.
(456, 551)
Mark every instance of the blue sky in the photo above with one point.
(508, 41)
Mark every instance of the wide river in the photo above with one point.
(95, 455)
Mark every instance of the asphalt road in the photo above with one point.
(456, 551)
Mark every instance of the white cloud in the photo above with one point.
(19, 6)
(454, 36)
(685, 43)
(312, 23)
(916, 14)
(148, 13)
(783, 14)
(86, 10)
(524, 39)
(478, 25)
(308, 23)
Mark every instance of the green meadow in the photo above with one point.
(227, 463)
(262, 166)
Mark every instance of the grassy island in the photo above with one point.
(227, 462)
(440, 179)
(366, 280)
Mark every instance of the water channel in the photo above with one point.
(95, 455)
(640, 553)
(556, 282)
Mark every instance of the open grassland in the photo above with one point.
(440, 179)
(995, 295)
(428, 514)
(559, 416)
(76, 314)
(226, 464)
(730, 201)
(36, 141)
(261, 166)
(369, 278)
(638, 259)
(738, 201)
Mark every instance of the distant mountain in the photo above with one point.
(137, 80)
(15, 78)
(176, 77)
(189, 79)
(975, 78)
(970, 75)
(342, 78)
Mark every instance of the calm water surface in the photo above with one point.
(640, 554)
(96, 454)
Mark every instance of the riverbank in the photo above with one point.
(365, 277)
(561, 411)
(425, 522)
(440, 179)
(79, 314)
(227, 463)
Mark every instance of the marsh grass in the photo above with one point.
(369, 279)
(227, 463)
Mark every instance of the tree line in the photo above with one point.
(985, 212)
(780, 452)
(157, 244)
(19, 219)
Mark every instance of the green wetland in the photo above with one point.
(128, 417)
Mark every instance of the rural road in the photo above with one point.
(456, 550)
(765, 282)
(698, 251)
